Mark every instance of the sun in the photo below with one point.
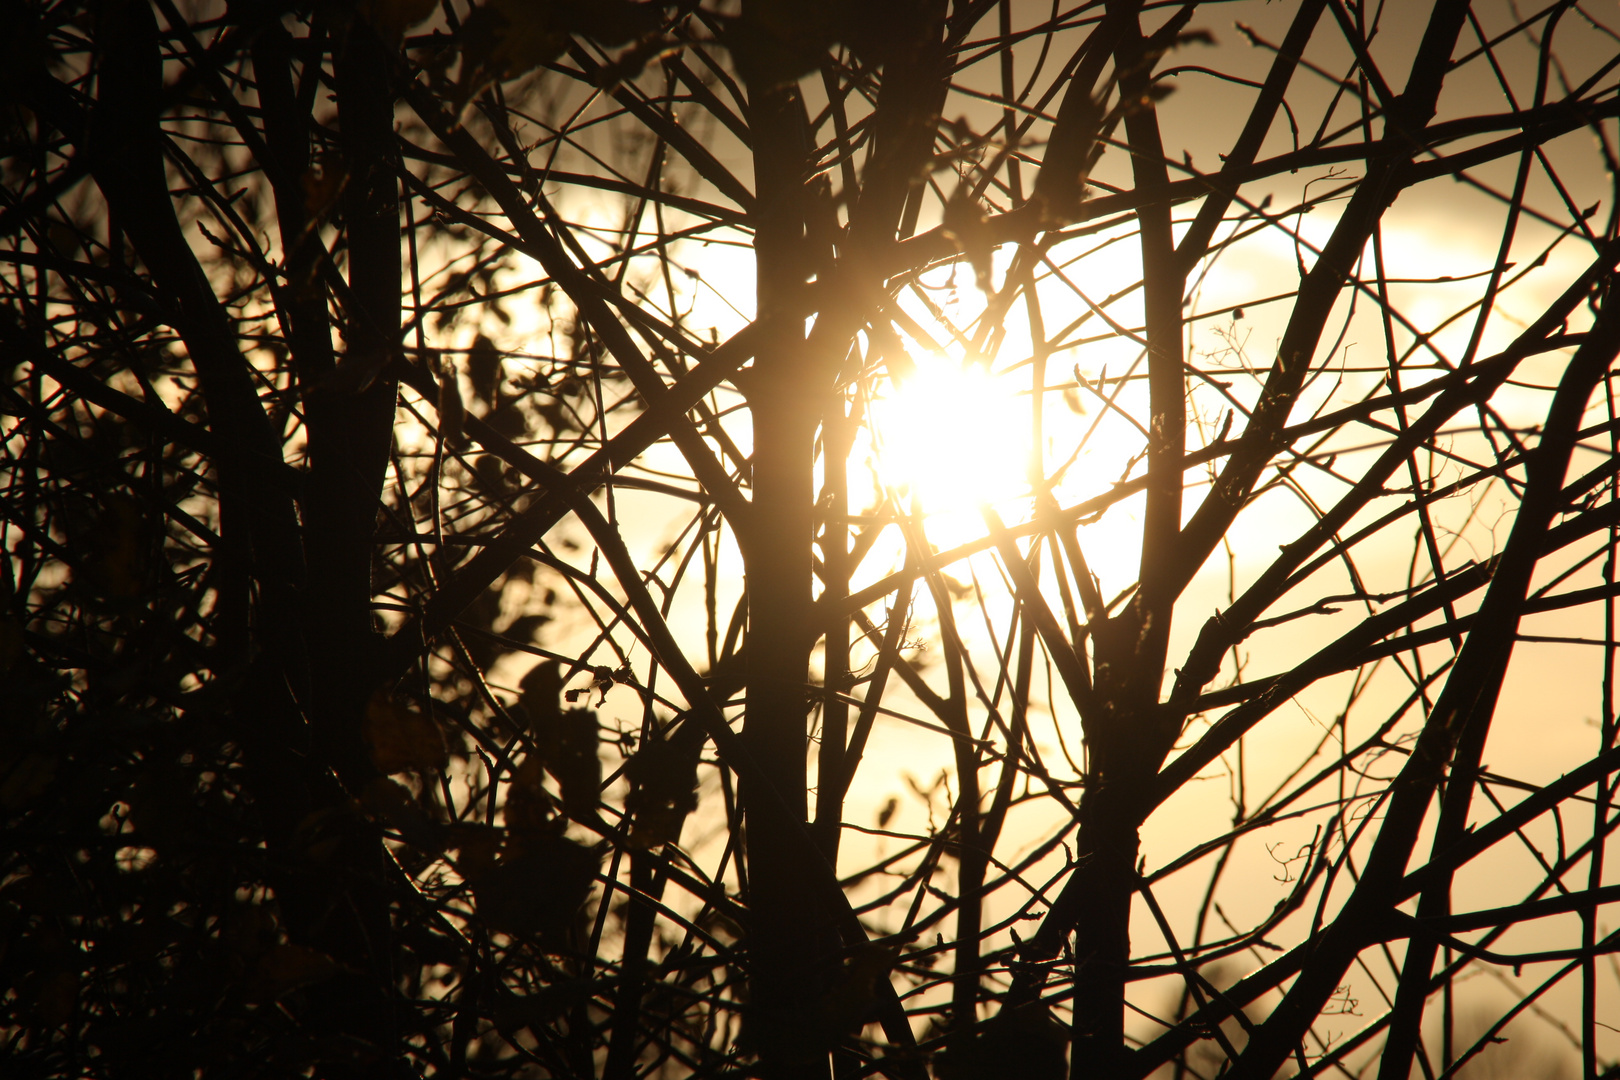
(952, 437)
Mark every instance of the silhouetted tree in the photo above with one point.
(462, 611)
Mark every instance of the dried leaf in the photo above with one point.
(356, 372)
(539, 892)
(541, 694)
(515, 1013)
(632, 61)
(665, 777)
(391, 18)
(11, 642)
(503, 39)
(56, 995)
(323, 835)
(965, 225)
(567, 742)
(851, 999)
(400, 738)
(576, 764)
(491, 473)
(162, 804)
(323, 182)
(248, 932)
(27, 779)
(389, 801)
(120, 566)
(484, 369)
(1023, 1041)
(886, 811)
(477, 847)
(774, 42)
(529, 808)
(452, 411)
(286, 968)
(607, 22)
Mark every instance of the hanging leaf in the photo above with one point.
(391, 18)
(1060, 186)
(400, 738)
(491, 473)
(774, 42)
(162, 804)
(965, 225)
(567, 742)
(286, 968)
(665, 777)
(537, 1009)
(484, 369)
(850, 1001)
(323, 182)
(25, 779)
(576, 763)
(12, 642)
(390, 802)
(525, 629)
(120, 565)
(503, 39)
(887, 811)
(540, 695)
(452, 410)
(632, 61)
(901, 367)
(538, 892)
(247, 932)
(530, 811)
(1022, 1041)
(332, 834)
(55, 995)
(476, 846)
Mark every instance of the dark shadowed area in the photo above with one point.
(967, 539)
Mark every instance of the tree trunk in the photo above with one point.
(791, 938)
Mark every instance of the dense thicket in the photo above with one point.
(465, 610)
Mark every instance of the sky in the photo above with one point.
(968, 408)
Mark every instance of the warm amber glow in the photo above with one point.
(953, 436)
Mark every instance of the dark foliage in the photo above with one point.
(447, 628)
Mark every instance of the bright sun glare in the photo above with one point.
(953, 436)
